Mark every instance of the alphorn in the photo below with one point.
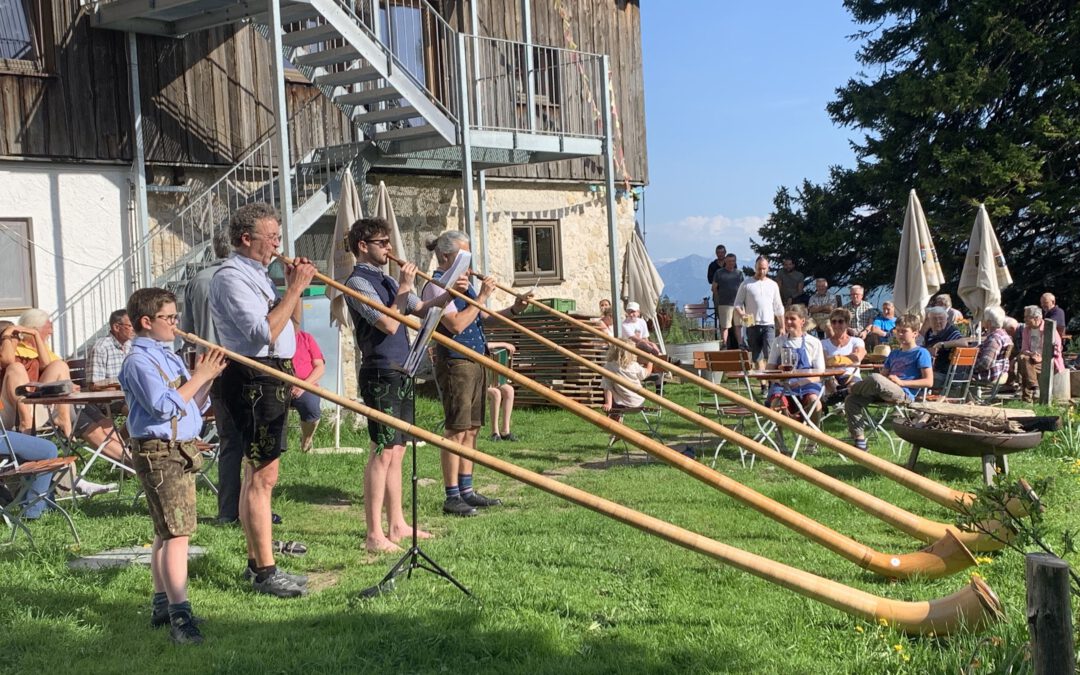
(939, 535)
(944, 495)
(970, 609)
(946, 555)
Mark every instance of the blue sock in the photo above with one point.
(465, 481)
(453, 491)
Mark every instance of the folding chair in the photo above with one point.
(987, 392)
(23, 475)
(699, 311)
(651, 418)
(959, 377)
(734, 366)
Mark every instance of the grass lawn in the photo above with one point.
(556, 588)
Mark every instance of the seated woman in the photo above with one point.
(939, 339)
(623, 363)
(992, 362)
(13, 415)
(28, 359)
(1029, 362)
(31, 449)
(806, 354)
(843, 345)
(500, 392)
(43, 365)
(309, 365)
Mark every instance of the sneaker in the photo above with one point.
(480, 501)
(183, 631)
(298, 579)
(85, 488)
(278, 585)
(161, 619)
(496, 437)
(859, 443)
(457, 506)
(510, 437)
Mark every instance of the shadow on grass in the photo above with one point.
(935, 471)
(347, 636)
(315, 494)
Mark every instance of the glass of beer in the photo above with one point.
(747, 320)
(787, 359)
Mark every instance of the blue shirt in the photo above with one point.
(152, 402)
(908, 365)
(241, 296)
(884, 324)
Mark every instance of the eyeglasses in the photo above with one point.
(837, 321)
(382, 243)
(268, 237)
(168, 318)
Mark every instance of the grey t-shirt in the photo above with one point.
(727, 285)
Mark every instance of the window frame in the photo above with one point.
(31, 263)
(39, 17)
(553, 278)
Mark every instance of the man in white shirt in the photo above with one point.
(759, 307)
(636, 330)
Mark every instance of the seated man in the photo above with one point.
(107, 354)
(906, 370)
(635, 330)
(992, 363)
(939, 339)
(881, 330)
(821, 305)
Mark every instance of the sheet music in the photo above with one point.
(460, 266)
(419, 346)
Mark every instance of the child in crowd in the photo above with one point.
(623, 363)
(165, 404)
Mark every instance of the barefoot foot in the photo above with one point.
(405, 532)
(380, 545)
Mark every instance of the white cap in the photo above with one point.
(633, 307)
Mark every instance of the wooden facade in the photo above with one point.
(610, 27)
(207, 98)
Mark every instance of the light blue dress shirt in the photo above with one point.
(241, 296)
(152, 403)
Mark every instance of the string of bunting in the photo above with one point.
(620, 157)
(546, 214)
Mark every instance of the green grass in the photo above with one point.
(556, 588)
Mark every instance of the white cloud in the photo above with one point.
(701, 234)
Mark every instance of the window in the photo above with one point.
(17, 261)
(537, 252)
(22, 48)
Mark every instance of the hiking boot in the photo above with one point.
(278, 585)
(496, 437)
(456, 506)
(298, 579)
(480, 501)
(510, 437)
(183, 631)
(161, 619)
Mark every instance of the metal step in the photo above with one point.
(368, 97)
(310, 36)
(297, 12)
(347, 77)
(388, 115)
(410, 133)
(327, 57)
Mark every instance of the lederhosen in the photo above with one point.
(257, 402)
(166, 470)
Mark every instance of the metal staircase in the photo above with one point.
(419, 94)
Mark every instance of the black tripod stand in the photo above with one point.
(414, 557)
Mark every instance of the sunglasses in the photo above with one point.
(383, 243)
(837, 321)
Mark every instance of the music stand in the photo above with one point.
(414, 558)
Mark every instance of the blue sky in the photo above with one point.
(735, 96)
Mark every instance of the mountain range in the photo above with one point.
(684, 279)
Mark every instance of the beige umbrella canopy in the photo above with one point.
(342, 261)
(641, 282)
(385, 210)
(918, 271)
(985, 272)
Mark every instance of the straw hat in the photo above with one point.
(882, 350)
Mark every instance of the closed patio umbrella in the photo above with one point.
(918, 271)
(385, 210)
(641, 282)
(985, 272)
(342, 261)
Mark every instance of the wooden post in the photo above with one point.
(1048, 612)
(1046, 376)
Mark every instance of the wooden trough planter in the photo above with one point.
(991, 447)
